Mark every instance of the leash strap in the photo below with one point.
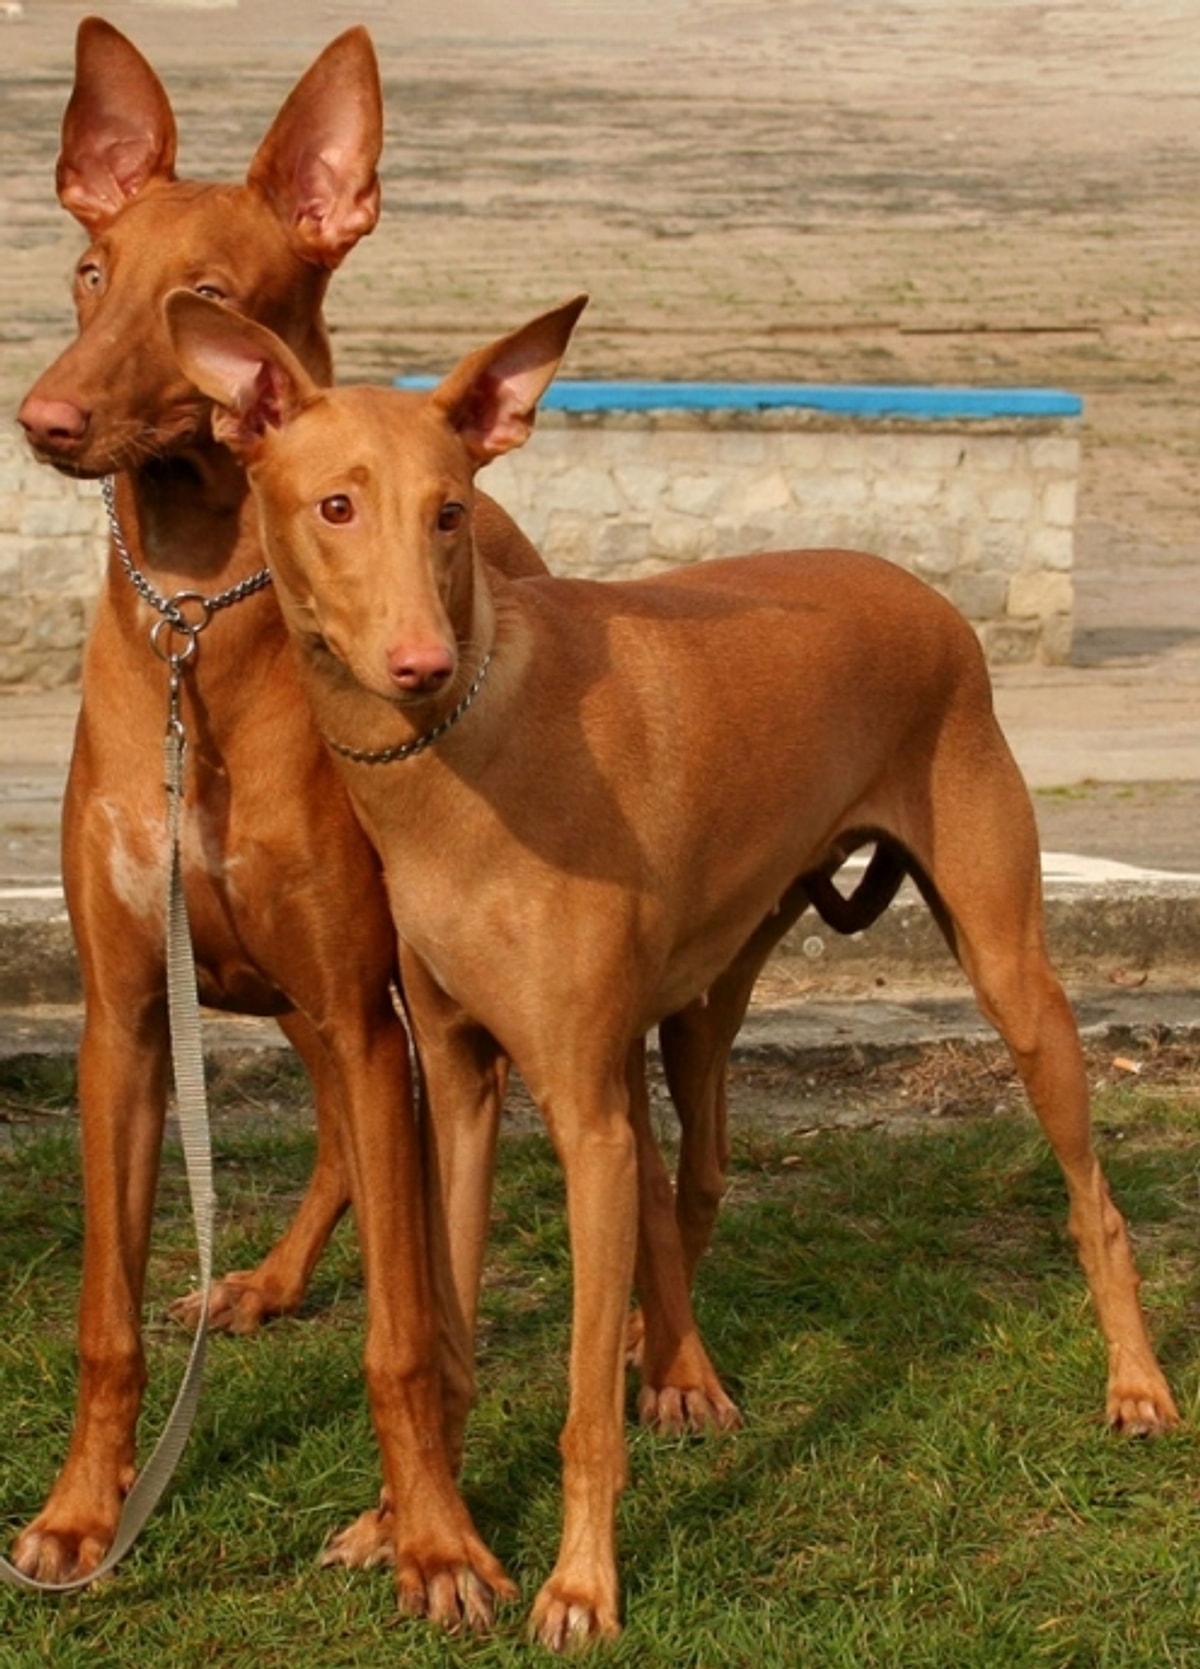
(191, 1099)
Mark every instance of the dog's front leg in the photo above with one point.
(443, 1569)
(122, 1102)
(594, 1137)
(464, 1074)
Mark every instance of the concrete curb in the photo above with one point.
(1091, 932)
(810, 1035)
(1130, 959)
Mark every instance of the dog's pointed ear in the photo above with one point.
(317, 164)
(254, 381)
(491, 396)
(118, 130)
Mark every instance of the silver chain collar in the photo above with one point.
(175, 622)
(406, 750)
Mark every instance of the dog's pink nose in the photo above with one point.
(52, 425)
(420, 667)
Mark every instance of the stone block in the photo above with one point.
(695, 495)
(1051, 547)
(55, 565)
(1012, 500)
(643, 485)
(832, 495)
(678, 538)
(16, 618)
(584, 491)
(1010, 642)
(12, 550)
(1035, 594)
(1058, 632)
(1058, 503)
(53, 518)
(980, 596)
(620, 545)
(1004, 545)
(566, 544)
(1054, 455)
(58, 624)
(996, 454)
(763, 497)
(907, 491)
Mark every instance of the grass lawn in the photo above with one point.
(923, 1478)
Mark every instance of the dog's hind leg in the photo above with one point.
(696, 1044)
(680, 1388)
(981, 875)
(244, 1298)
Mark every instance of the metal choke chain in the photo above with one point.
(407, 750)
(175, 620)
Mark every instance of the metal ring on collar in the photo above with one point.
(162, 640)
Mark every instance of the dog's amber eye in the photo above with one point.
(210, 292)
(450, 517)
(337, 509)
(89, 275)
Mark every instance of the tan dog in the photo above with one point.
(589, 798)
(287, 905)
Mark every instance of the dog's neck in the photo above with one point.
(182, 523)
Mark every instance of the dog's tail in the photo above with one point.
(856, 911)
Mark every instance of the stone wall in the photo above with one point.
(52, 548)
(981, 503)
(983, 508)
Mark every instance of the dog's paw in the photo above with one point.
(675, 1410)
(60, 1555)
(366, 1544)
(565, 1620)
(458, 1594)
(238, 1303)
(75, 1528)
(1146, 1411)
(57, 1558)
(457, 1588)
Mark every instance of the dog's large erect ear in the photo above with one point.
(254, 381)
(491, 396)
(317, 165)
(118, 131)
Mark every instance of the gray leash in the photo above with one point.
(187, 1057)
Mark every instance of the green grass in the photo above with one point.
(923, 1478)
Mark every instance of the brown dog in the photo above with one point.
(286, 902)
(283, 891)
(589, 797)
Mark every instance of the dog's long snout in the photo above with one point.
(420, 668)
(53, 425)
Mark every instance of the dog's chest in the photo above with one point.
(224, 883)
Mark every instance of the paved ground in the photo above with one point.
(942, 192)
